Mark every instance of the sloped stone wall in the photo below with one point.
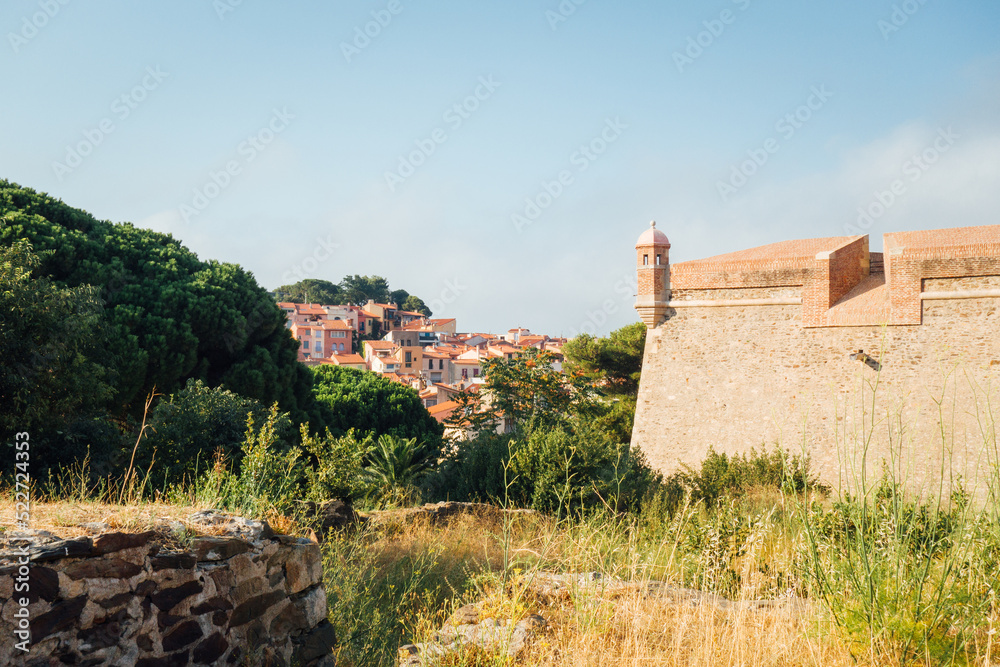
(240, 596)
(750, 377)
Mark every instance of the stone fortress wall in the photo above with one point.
(243, 596)
(754, 348)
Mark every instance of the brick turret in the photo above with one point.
(653, 267)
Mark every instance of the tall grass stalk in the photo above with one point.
(908, 575)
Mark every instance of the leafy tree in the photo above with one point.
(311, 290)
(358, 290)
(614, 363)
(374, 405)
(415, 304)
(528, 387)
(568, 446)
(399, 297)
(170, 317)
(49, 338)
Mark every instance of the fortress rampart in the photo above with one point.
(755, 348)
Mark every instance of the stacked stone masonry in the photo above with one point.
(761, 374)
(244, 597)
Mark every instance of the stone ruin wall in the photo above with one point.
(246, 597)
(741, 377)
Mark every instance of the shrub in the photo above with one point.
(335, 472)
(573, 466)
(721, 476)
(394, 466)
(570, 465)
(187, 428)
(269, 474)
(472, 470)
(901, 576)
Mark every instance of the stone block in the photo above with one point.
(112, 542)
(211, 649)
(303, 568)
(76, 548)
(217, 603)
(313, 606)
(318, 643)
(291, 620)
(256, 607)
(171, 597)
(182, 636)
(218, 548)
(95, 568)
(62, 616)
(173, 561)
(43, 583)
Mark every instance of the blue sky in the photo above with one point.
(273, 135)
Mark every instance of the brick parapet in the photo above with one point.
(840, 272)
(834, 274)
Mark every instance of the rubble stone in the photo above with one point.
(237, 596)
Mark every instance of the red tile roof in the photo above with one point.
(974, 238)
(335, 325)
(349, 358)
(783, 250)
(442, 411)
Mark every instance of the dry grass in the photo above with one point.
(397, 582)
(463, 561)
(63, 518)
(637, 631)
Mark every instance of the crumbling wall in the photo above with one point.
(242, 595)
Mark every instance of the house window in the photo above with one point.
(657, 259)
(409, 357)
(465, 373)
(305, 345)
(430, 364)
(475, 372)
(440, 364)
(645, 260)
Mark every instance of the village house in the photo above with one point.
(349, 361)
(437, 365)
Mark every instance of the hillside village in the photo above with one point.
(427, 354)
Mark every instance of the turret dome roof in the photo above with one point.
(652, 236)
